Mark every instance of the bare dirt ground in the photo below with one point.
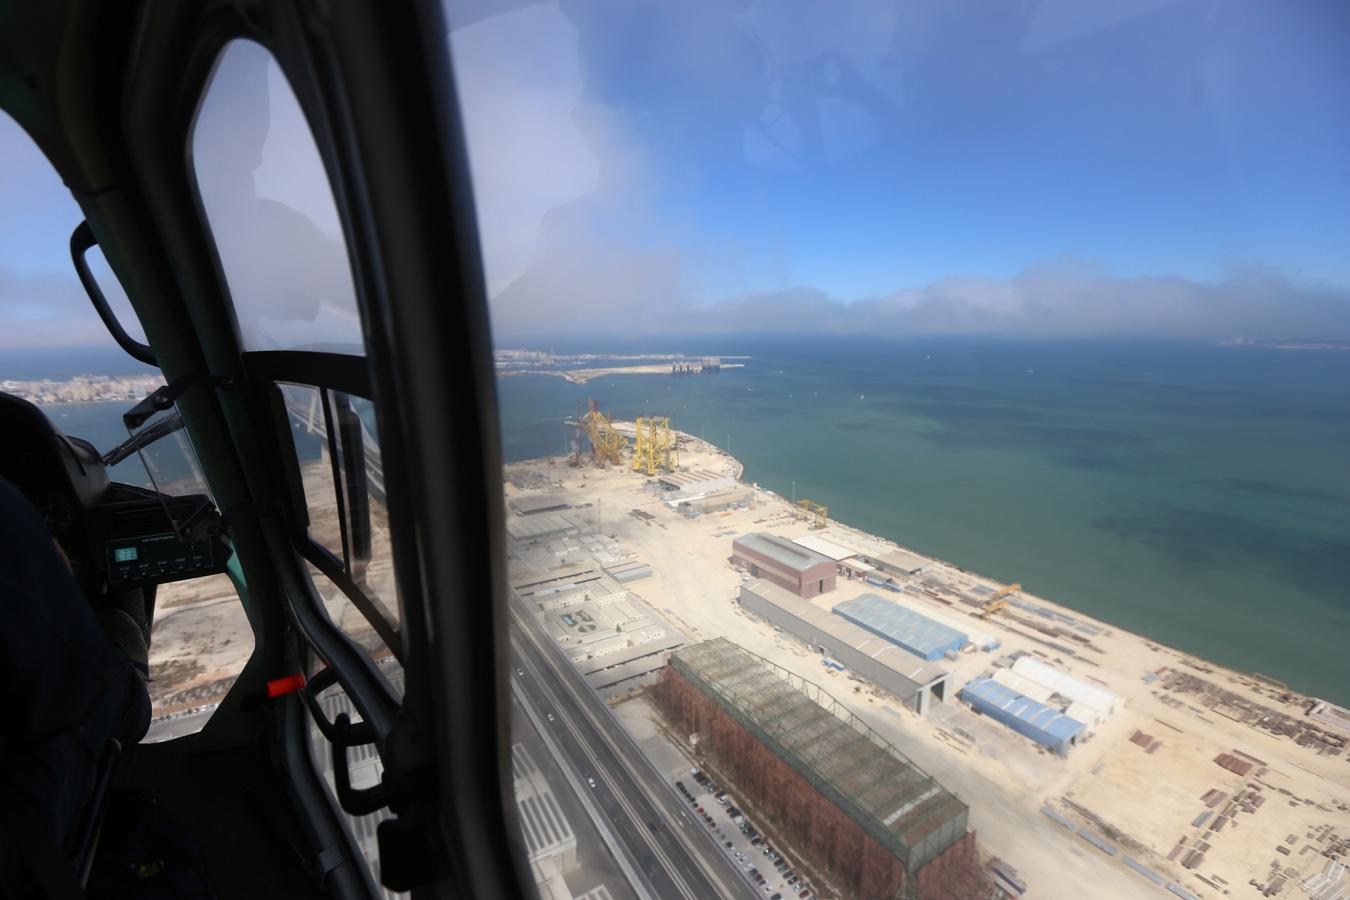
(1140, 803)
(201, 638)
(200, 641)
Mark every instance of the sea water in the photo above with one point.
(1196, 494)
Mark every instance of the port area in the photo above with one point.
(1201, 782)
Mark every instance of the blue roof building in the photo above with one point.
(1045, 725)
(915, 632)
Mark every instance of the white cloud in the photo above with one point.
(1066, 298)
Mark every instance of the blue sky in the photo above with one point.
(865, 149)
(1142, 167)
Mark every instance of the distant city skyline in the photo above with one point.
(1156, 168)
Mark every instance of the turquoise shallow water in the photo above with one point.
(1196, 494)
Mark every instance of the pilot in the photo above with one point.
(72, 681)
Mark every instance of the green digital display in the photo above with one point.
(124, 554)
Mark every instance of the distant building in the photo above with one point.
(824, 547)
(692, 484)
(715, 503)
(911, 680)
(1088, 703)
(924, 637)
(1045, 725)
(550, 843)
(544, 526)
(614, 638)
(804, 572)
(532, 504)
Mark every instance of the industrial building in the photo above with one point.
(550, 843)
(613, 637)
(1045, 725)
(885, 559)
(532, 504)
(1087, 703)
(904, 627)
(804, 572)
(835, 789)
(913, 681)
(544, 526)
(687, 485)
(824, 547)
(545, 829)
(1024, 686)
(715, 503)
(984, 640)
(850, 562)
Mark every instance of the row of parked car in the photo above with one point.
(779, 862)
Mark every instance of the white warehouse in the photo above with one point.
(1089, 704)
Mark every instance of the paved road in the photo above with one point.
(662, 838)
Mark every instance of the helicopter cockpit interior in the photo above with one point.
(273, 794)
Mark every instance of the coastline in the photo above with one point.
(1136, 777)
(1184, 657)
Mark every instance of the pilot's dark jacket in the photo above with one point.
(66, 689)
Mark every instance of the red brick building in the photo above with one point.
(791, 566)
(833, 789)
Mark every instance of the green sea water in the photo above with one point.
(1196, 494)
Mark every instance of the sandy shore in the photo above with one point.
(1141, 796)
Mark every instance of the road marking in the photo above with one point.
(635, 879)
(621, 750)
(638, 821)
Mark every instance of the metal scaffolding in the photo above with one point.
(818, 514)
(654, 447)
(606, 442)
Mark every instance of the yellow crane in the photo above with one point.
(998, 601)
(817, 513)
(654, 446)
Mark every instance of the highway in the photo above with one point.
(661, 837)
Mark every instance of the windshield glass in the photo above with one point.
(925, 441)
(56, 353)
(271, 210)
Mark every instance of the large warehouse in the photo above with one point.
(904, 627)
(833, 787)
(912, 680)
(1089, 703)
(804, 572)
(887, 559)
(1045, 725)
(686, 484)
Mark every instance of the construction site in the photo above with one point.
(1093, 761)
